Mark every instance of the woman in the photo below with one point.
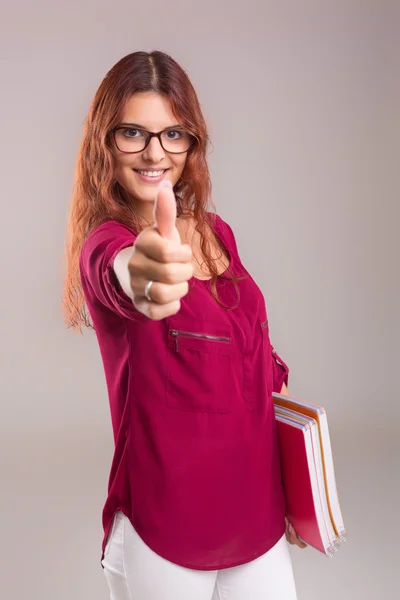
(195, 507)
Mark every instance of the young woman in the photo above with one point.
(195, 507)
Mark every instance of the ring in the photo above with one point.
(147, 291)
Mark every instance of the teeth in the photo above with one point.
(151, 173)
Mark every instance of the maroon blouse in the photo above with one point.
(196, 466)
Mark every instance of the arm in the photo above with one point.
(284, 390)
(121, 270)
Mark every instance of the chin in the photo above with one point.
(144, 195)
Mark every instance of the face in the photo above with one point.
(152, 112)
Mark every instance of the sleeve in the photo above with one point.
(280, 368)
(97, 267)
(280, 371)
(227, 233)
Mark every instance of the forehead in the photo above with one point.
(151, 110)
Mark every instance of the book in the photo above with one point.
(308, 474)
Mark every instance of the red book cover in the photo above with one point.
(297, 481)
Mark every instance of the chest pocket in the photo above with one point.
(199, 367)
(257, 367)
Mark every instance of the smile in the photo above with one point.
(151, 173)
(150, 176)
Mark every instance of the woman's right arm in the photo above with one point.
(121, 269)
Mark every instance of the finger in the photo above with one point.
(165, 294)
(297, 542)
(290, 533)
(165, 212)
(147, 269)
(154, 311)
(293, 538)
(162, 293)
(152, 245)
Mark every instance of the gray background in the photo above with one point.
(302, 103)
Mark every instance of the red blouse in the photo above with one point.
(196, 465)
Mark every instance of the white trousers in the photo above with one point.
(134, 572)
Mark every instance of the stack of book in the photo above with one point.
(312, 502)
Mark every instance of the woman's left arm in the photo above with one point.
(284, 390)
(291, 534)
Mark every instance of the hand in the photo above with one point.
(159, 256)
(292, 537)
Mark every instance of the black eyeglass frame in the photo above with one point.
(150, 135)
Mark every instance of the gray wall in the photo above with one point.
(302, 102)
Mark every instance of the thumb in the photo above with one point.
(165, 212)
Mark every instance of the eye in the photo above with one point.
(173, 134)
(131, 132)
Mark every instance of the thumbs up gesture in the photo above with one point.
(160, 266)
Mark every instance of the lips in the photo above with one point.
(150, 175)
(151, 172)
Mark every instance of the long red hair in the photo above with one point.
(98, 197)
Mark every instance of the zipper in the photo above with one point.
(264, 324)
(203, 336)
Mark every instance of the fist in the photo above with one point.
(292, 536)
(159, 256)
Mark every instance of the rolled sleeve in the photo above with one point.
(97, 266)
(280, 371)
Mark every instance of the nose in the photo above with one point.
(154, 152)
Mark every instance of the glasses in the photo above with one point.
(129, 139)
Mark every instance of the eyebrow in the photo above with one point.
(145, 128)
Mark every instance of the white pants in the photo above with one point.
(134, 572)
